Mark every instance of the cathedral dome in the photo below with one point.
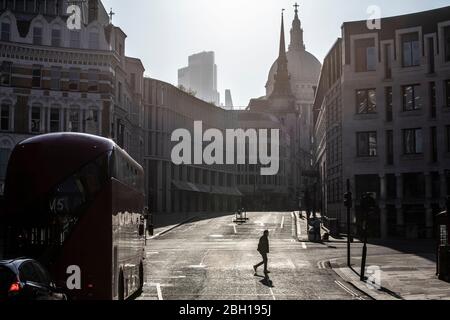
(303, 67)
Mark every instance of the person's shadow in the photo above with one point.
(266, 281)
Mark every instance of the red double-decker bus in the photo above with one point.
(75, 202)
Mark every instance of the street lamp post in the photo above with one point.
(348, 202)
(367, 204)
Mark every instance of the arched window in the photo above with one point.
(74, 119)
(75, 39)
(55, 119)
(5, 152)
(38, 34)
(5, 73)
(92, 120)
(5, 116)
(6, 30)
(36, 118)
(56, 35)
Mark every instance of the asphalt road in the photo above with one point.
(212, 259)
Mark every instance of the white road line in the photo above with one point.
(158, 289)
(273, 296)
(204, 257)
(304, 246)
(235, 231)
(340, 284)
(282, 223)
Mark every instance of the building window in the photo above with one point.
(91, 121)
(4, 159)
(411, 98)
(434, 147)
(365, 55)
(37, 77)
(447, 93)
(414, 185)
(433, 101)
(5, 117)
(37, 36)
(119, 92)
(366, 101)
(56, 78)
(94, 40)
(388, 61)
(55, 116)
(56, 38)
(93, 81)
(74, 120)
(74, 79)
(35, 119)
(411, 50)
(6, 32)
(5, 73)
(390, 147)
(367, 144)
(431, 53)
(448, 138)
(389, 106)
(447, 43)
(75, 39)
(412, 141)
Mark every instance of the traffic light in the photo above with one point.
(348, 201)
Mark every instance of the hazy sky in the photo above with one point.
(243, 33)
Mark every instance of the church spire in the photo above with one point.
(296, 32)
(282, 86)
(282, 52)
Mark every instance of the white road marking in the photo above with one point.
(204, 257)
(349, 291)
(216, 236)
(273, 296)
(235, 231)
(282, 223)
(304, 246)
(197, 267)
(158, 290)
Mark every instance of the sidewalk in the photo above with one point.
(302, 230)
(403, 276)
(164, 223)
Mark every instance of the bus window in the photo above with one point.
(80, 188)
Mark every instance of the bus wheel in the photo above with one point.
(121, 286)
(141, 276)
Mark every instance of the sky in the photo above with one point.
(244, 34)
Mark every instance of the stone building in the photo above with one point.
(290, 95)
(304, 71)
(183, 188)
(263, 193)
(382, 120)
(54, 79)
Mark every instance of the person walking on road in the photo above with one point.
(263, 249)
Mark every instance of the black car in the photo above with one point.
(27, 279)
